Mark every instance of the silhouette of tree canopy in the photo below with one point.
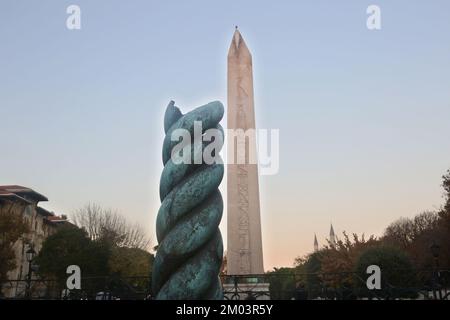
(398, 275)
(72, 246)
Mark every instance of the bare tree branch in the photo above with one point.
(110, 225)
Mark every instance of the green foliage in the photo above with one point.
(398, 276)
(282, 283)
(122, 270)
(72, 246)
(131, 263)
(312, 267)
(338, 261)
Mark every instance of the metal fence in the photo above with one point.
(424, 284)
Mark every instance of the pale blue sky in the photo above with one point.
(363, 115)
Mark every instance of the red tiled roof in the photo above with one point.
(12, 196)
(23, 191)
(55, 218)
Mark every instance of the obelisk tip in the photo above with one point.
(238, 46)
(236, 38)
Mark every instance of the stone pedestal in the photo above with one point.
(246, 291)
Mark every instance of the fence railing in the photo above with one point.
(424, 284)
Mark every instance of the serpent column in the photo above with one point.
(190, 249)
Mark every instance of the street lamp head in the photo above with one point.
(435, 248)
(30, 254)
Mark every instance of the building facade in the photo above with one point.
(41, 223)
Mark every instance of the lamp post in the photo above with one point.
(435, 248)
(30, 256)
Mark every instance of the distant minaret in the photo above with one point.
(332, 236)
(316, 244)
(244, 250)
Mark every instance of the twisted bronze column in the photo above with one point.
(190, 249)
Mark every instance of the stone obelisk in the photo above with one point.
(244, 249)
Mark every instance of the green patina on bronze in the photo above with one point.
(190, 248)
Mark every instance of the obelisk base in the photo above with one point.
(246, 291)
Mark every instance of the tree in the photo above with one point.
(72, 246)
(403, 232)
(13, 226)
(338, 260)
(108, 225)
(282, 283)
(399, 233)
(130, 262)
(415, 235)
(397, 272)
(312, 266)
(424, 222)
(132, 265)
